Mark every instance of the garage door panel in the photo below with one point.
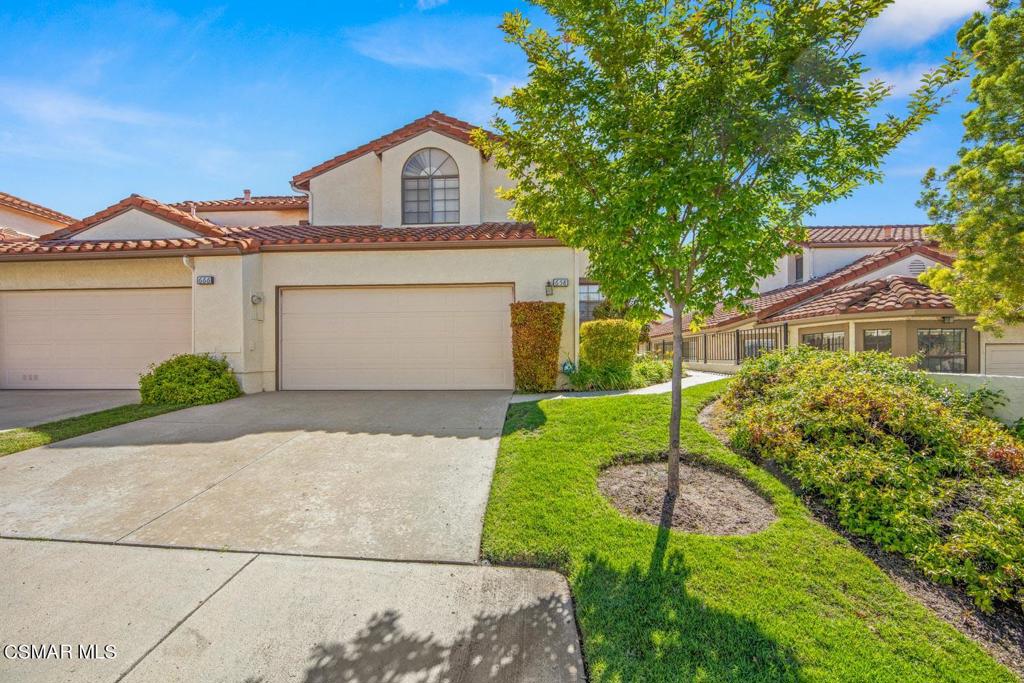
(1005, 359)
(90, 339)
(396, 338)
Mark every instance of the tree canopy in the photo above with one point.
(977, 204)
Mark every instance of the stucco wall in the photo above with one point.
(133, 224)
(26, 223)
(492, 208)
(528, 269)
(348, 194)
(252, 217)
(820, 261)
(1012, 388)
(94, 274)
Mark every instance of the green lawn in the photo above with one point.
(23, 438)
(795, 602)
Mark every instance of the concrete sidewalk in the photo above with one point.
(185, 615)
(693, 378)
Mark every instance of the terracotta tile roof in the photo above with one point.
(661, 328)
(769, 303)
(12, 235)
(254, 203)
(839, 235)
(9, 200)
(200, 226)
(434, 121)
(283, 237)
(893, 293)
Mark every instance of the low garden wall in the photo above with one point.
(1012, 388)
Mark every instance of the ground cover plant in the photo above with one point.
(189, 380)
(608, 358)
(794, 602)
(911, 465)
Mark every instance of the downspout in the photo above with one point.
(191, 265)
(309, 201)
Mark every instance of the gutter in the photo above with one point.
(142, 253)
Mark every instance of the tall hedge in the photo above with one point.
(609, 344)
(536, 336)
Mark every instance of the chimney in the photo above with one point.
(887, 232)
(247, 196)
(192, 209)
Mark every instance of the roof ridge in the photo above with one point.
(136, 201)
(9, 200)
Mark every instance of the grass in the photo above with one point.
(23, 438)
(794, 602)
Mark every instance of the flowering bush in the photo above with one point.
(911, 465)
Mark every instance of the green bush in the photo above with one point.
(609, 344)
(189, 379)
(642, 373)
(536, 336)
(907, 463)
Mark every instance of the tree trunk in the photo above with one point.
(672, 487)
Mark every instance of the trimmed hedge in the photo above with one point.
(609, 345)
(189, 379)
(909, 464)
(536, 336)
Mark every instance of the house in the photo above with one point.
(20, 218)
(852, 288)
(393, 268)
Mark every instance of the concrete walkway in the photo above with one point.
(27, 408)
(693, 378)
(149, 614)
(360, 474)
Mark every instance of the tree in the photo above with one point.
(681, 143)
(977, 204)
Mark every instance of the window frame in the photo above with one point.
(586, 290)
(832, 334)
(798, 268)
(428, 184)
(926, 357)
(864, 339)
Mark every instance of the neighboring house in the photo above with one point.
(401, 279)
(852, 289)
(21, 217)
(251, 210)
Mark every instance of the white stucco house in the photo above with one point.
(392, 268)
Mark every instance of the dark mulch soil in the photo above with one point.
(708, 502)
(1001, 633)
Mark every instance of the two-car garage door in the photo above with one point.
(429, 337)
(90, 339)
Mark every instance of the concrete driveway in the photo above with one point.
(394, 475)
(152, 614)
(33, 407)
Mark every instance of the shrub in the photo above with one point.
(609, 344)
(536, 336)
(642, 373)
(903, 461)
(189, 379)
(652, 370)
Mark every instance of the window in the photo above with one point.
(430, 188)
(826, 341)
(590, 297)
(943, 350)
(798, 268)
(878, 340)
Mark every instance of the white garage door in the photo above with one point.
(396, 338)
(90, 339)
(1004, 359)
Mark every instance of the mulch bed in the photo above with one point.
(1001, 633)
(708, 502)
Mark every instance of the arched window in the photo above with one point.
(430, 188)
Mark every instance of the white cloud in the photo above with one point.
(62, 108)
(903, 79)
(910, 22)
(424, 5)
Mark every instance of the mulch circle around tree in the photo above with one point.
(709, 502)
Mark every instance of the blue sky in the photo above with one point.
(195, 100)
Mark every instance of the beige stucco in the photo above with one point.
(348, 194)
(254, 217)
(368, 189)
(134, 225)
(94, 274)
(28, 223)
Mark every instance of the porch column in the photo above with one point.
(853, 337)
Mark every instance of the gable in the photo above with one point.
(911, 266)
(133, 224)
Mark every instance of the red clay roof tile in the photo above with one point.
(254, 203)
(200, 226)
(9, 200)
(894, 293)
(12, 235)
(434, 121)
(840, 235)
